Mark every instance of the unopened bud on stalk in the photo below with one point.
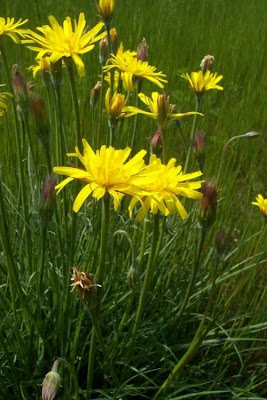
(206, 63)
(51, 383)
(95, 92)
(103, 50)
(48, 200)
(106, 9)
(114, 40)
(156, 143)
(163, 108)
(114, 106)
(141, 53)
(56, 72)
(39, 114)
(85, 286)
(207, 206)
(199, 149)
(20, 88)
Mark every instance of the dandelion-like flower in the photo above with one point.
(132, 69)
(11, 28)
(58, 42)
(160, 109)
(3, 98)
(261, 202)
(161, 185)
(202, 82)
(106, 171)
(114, 106)
(42, 65)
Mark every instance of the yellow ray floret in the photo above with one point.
(11, 28)
(200, 82)
(106, 171)
(63, 41)
(261, 202)
(3, 97)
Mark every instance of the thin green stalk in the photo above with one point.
(73, 375)
(164, 145)
(99, 277)
(145, 288)
(42, 263)
(100, 109)
(74, 96)
(198, 109)
(28, 133)
(202, 237)
(111, 133)
(112, 70)
(139, 85)
(60, 139)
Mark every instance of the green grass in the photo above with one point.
(36, 328)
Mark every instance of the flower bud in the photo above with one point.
(20, 88)
(95, 92)
(106, 9)
(114, 40)
(207, 206)
(199, 149)
(56, 72)
(156, 143)
(48, 200)
(86, 288)
(141, 53)
(51, 383)
(103, 50)
(39, 114)
(163, 108)
(206, 63)
(114, 107)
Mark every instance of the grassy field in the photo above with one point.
(211, 346)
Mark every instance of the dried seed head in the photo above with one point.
(103, 50)
(141, 53)
(206, 63)
(95, 92)
(86, 288)
(20, 88)
(207, 205)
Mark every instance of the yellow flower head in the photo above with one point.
(161, 185)
(132, 69)
(106, 9)
(115, 105)
(11, 28)
(43, 65)
(160, 109)
(3, 97)
(106, 171)
(261, 202)
(58, 42)
(201, 82)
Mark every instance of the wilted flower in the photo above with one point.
(206, 63)
(3, 97)
(20, 88)
(11, 28)
(261, 202)
(103, 50)
(207, 206)
(85, 286)
(141, 53)
(58, 42)
(200, 82)
(95, 92)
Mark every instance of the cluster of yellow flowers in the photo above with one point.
(107, 171)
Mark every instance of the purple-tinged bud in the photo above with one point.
(48, 200)
(199, 149)
(51, 383)
(141, 53)
(103, 50)
(156, 143)
(95, 92)
(39, 114)
(20, 88)
(206, 63)
(207, 206)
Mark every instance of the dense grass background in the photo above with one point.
(230, 363)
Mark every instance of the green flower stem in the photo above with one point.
(139, 85)
(161, 236)
(198, 109)
(107, 26)
(99, 277)
(42, 263)
(73, 375)
(111, 133)
(202, 237)
(100, 110)
(164, 145)
(20, 164)
(145, 288)
(70, 67)
(60, 138)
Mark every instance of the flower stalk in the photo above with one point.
(192, 135)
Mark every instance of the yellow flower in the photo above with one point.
(3, 97)
(11, 28)
(200, 82)
(43, 65)
(116, 79)
(114, 106)
(106, 9)
(160, 109)
(161, 185)
(106, 171)
(261, 202)
(58, 42)
(132, 69)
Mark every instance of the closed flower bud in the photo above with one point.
(48, 200)
(163, 109)
(51, 383)
(114, 107)
(207, 206)
(106, 9)
(199, 149)
(39, 114)
(206, 63)
(114, 40)
(86, 288)
(56, 72)
(20, 88)
(103, 50)
(141, 53)
(156, 143)
(95, 92)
